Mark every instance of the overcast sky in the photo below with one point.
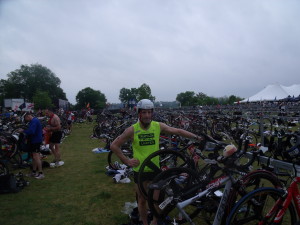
(216, 47)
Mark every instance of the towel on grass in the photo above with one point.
(100, 150)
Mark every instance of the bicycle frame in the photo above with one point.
(293, 194)
(227, 180)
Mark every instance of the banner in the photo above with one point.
(15, 104)
(63, 104)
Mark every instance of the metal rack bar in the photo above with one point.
(277, 164)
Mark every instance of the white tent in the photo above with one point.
(293, 90)
(274, 92)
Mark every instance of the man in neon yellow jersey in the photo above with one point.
(145, 140)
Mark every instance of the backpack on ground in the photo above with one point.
(8, 184)
(11, 183)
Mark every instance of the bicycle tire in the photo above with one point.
(12, 148)
(251, 137)
(173, 181)
(253, 207)
(97, 131)
(167, 159)
(114, 161)
(251, 181)
(16, 160)
(13, 160)
(3, 168)
(245, 163)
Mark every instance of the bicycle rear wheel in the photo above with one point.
(14, 161)
(170, 187)
(167, 159)
(114, 161)
(3, 168)
(253, 208)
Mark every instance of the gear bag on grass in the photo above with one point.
(8, 184)
(11, 183)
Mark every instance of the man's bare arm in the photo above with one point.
(117, 144)
(180, 132)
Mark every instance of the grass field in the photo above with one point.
(77, 193)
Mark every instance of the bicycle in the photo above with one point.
(268, 206)
(112, 159)
(182, 155)
(191, 155)
(181, 195)
(9, 152)
(3, 168)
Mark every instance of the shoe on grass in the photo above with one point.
(59, 163)
(40, 176)
(31, 174)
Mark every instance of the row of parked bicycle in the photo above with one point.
(199, 184)
(196, 183)
(276, 135)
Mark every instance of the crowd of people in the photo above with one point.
(37, 135)
(43, 129)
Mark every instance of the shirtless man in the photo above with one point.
(54, 126)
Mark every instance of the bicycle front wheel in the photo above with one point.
(261, 207)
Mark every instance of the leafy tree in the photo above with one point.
(2, 86)
(42, 100)
(232, 99)
(202, 99)
(222, 100)
(127, 94)
(144, 91)
(228, 100)
(94, 98)
(187, 98)
(28, 80)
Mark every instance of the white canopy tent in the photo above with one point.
(274, 92)
(293, 90)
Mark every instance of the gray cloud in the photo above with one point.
(215, 47)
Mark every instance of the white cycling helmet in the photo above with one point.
(144, 104)
(229, 150)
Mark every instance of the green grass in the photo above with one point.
(77, 193)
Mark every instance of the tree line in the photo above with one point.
(190, 98)
(38, 84)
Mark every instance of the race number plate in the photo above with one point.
(165, 202)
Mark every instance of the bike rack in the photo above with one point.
(277, 164)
